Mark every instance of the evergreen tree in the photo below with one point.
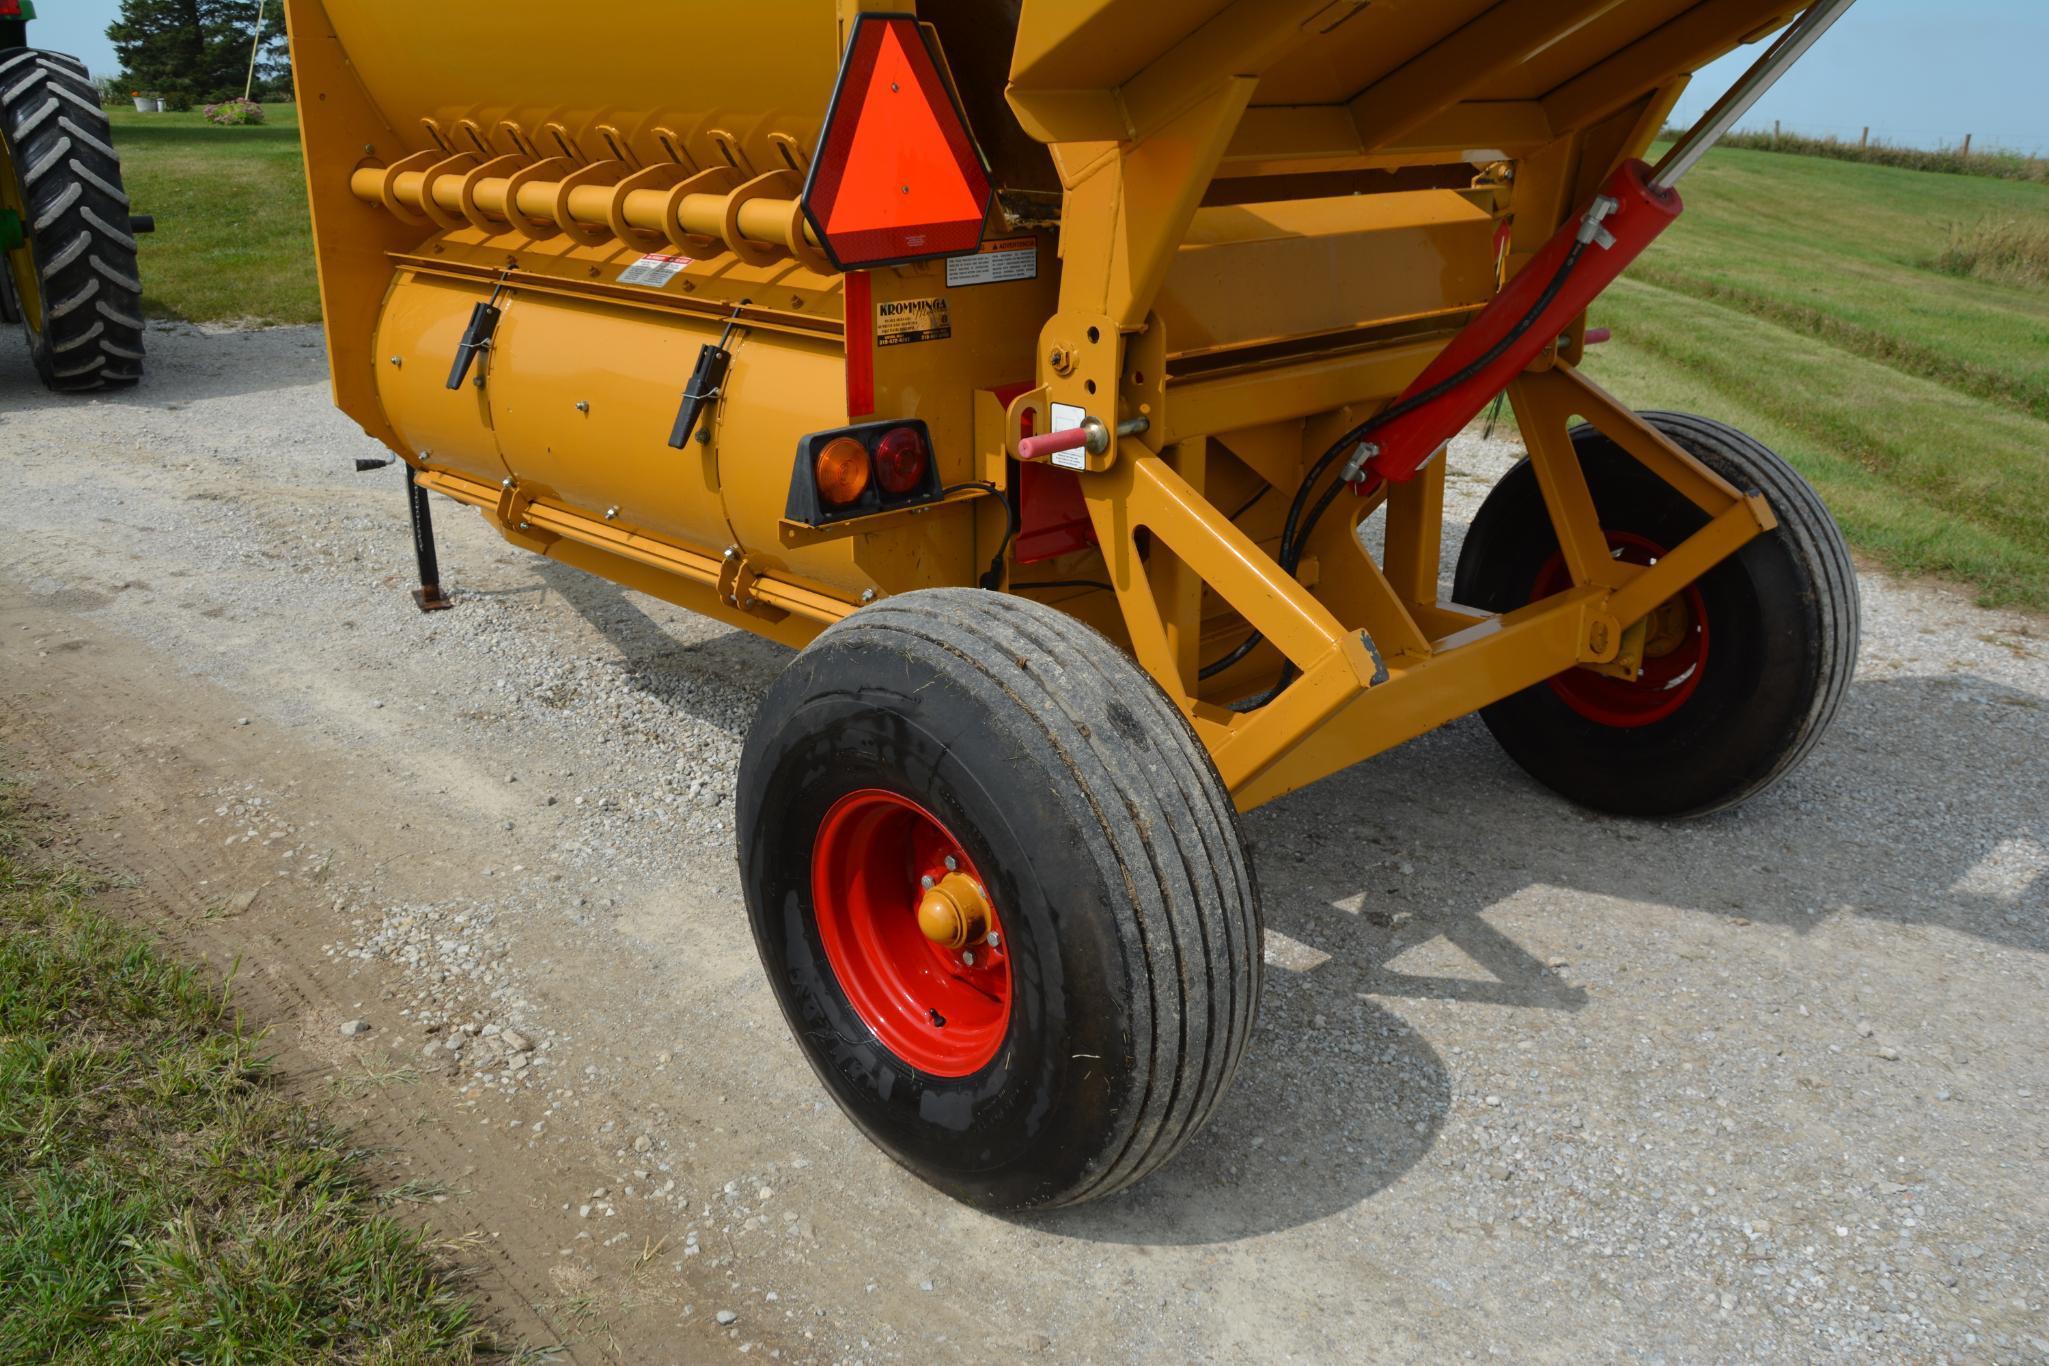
(197, 51)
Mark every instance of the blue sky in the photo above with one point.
(1916, 72)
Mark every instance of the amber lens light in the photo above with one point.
(900, 461)
(843, 470)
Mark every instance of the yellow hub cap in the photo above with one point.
(953, 911)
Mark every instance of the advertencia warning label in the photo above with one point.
(654, 269)
(1066, 417)
(1014, 258)
(898, 321)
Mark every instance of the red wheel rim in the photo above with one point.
(1675, 649)
(942, 1010)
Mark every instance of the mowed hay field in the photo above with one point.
(1887, 330)
(233, 240)
(1825, 307)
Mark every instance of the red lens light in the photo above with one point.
(901, 461)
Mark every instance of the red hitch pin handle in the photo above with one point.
(1091, 436)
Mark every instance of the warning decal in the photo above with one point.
(1066, 417)
(898, 321)
(1013, 258)
(654, 269)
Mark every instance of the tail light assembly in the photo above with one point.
(856, 471)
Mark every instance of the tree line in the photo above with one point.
(197, 51)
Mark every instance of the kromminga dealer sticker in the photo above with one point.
(900, 321)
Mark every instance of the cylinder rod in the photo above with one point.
(1792, 45)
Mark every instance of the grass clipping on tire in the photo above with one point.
(159, 1201)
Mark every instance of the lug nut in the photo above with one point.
(951, 863)
(994, 940)
(968, 958)
(926, 882)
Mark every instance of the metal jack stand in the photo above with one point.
(428, 595)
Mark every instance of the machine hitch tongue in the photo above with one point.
(706, 383)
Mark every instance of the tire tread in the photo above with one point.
(61, 148)
(1172, 838)
(1805, 521)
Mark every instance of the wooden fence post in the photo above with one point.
(1775, 135)
(1865, 141)
(1967, 144)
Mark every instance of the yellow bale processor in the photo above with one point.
(1035, 369)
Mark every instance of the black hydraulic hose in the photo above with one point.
(1291, 547)
(1288, 667)
(1244, 648)
(993, 577)
(1295, 533)
(1253, 501)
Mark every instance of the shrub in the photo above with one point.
(234, 113)
(2007, 251)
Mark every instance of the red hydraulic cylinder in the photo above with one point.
(1625, 219)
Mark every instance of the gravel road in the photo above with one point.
(1529, 1083)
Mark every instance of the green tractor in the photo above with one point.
(69, 238)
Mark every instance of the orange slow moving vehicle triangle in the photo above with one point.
(898, 176)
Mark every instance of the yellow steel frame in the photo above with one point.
(1378, 659)
(1144, 108)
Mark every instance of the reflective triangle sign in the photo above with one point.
(898, 176)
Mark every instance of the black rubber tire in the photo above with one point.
(60, 151)
(1783, 615)
(1110, 848)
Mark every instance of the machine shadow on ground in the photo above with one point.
(733, 667)
(1418, 845)
(1290, 1146)
(1913, 752)
(227, 369)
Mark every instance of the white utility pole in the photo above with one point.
(254, 47)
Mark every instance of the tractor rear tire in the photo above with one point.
(1758, 653)
(1095, 1016)
(75, 282)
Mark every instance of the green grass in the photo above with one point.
(233, 241)
(2008, 252)
(1994, 162)
(159, 1201)
(1811, 303)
